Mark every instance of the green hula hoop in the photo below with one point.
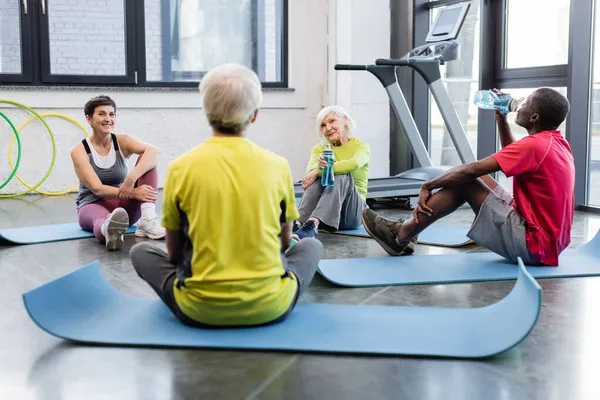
(14, 171)
(14, 103)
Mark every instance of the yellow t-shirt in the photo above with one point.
(229, 196)
(353, 158)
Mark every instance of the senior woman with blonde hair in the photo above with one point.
(228, 209)
(336, 207)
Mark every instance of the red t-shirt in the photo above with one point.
(543, 188)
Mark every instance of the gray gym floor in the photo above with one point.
(558, 360)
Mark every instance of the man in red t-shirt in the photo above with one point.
(534, 225)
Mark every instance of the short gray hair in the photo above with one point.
(340, 112)
(231, 94)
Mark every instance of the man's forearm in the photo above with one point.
(286, 234)
(454, 177)
(174, 245)
(506, 136)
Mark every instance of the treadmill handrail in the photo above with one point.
(350, 67)
(398, 62)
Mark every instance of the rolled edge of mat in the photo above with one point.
(524, 297)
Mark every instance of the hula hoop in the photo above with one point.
(16, 135)
(65, 117)
(14, 103)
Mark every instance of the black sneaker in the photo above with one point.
(296, 225)
(307, 230)
(385, 232)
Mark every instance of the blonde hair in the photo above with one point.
(340, 112)
(231, 94)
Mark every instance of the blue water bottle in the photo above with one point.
(328, 179)
(489, 100)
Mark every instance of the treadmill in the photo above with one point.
(441, 46)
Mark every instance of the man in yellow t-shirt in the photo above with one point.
(228, 209)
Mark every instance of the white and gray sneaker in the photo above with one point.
(114, 228)
(150, 228)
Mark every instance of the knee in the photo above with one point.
(311, 246)
(143, 153)
(342, 181)
(138, 253)
(315, 185)
(343, 177)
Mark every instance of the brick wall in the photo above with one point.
(87, 37)
(10, 40)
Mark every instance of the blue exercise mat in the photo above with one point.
(435, 235)
(47, 233)
(454, 268)
(82, 307)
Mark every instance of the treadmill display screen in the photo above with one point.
(446, 21)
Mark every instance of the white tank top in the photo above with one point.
(111, 170)
(106, 161)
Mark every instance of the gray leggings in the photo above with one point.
(152, 265)
(339, 206)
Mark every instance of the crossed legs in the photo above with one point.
(108, 219)
(398, 237)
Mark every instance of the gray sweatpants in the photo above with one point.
(338, 206)
(152, 265)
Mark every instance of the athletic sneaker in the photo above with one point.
(150, 228)
(385, 232)
(307, 230)
(296, 225)
(114, 228)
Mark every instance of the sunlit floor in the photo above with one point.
(560, 359)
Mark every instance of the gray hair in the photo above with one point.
(340, 112)
(231, 94)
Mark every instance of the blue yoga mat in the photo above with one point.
(47, 233)
(435, 235)
(83, 307)
(454, 268)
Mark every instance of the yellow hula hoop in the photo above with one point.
(65, 117)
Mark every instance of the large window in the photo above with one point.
(533, 42)
(461, 80)
(197, 35)
(10, 39)
(119, 42)
(86, 41)
(543, 22)
(593, 192)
